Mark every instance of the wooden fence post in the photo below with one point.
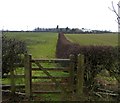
(80, 75)
(72, 72)
(12, 79)
(28, 78)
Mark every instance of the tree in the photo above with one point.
(57, 27)
(117, 13)
(67, 29)
(117, 73)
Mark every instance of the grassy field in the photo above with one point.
(40, 44)
(94, 39)
(43, 44)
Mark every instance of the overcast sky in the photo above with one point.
(28, 14)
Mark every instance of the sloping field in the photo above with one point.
(94, 39)
(40, 44)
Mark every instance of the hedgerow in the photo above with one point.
(96, 57)
(12, 53)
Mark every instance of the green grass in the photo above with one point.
(94, 39)
(40, 44)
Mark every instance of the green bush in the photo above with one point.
(12, 53)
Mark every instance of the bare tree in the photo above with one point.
(117, 13)
(114, 10)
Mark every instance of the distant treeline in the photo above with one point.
(69, 30)
(64, 30)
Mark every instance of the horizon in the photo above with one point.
(83, 29)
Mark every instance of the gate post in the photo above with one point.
(72, 72)
(28, 78)
(12, 80)
(80, 75)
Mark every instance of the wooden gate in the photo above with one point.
(63, 83)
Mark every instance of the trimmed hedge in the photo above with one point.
(96, 57)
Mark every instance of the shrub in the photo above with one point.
(12, 53)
